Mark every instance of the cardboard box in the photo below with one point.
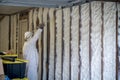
(1, 68)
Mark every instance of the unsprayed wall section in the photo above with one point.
(4, 34)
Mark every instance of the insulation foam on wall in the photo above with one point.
(96, 48)
(45, 13)
(52, 44)
(14, 35)
(75, 43)
(30, 20)
(40, 15)
(40, 12)
(18, 22)
(84, 42)
(58, 45)
(109, 41)
(12, 32)
(66, 62)
(35, 13)
(118, 7)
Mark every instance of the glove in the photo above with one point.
(41, 26)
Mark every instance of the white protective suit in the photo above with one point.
(30, 53)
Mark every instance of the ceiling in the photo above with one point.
(40, 3)
(8, 7)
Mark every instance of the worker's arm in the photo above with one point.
(38, 32)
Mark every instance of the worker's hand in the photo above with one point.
(41, 26)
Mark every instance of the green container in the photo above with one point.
(15, 69)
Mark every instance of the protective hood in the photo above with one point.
(28, 35)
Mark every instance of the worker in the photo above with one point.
(30, 53)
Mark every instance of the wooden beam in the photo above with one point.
(4, 14)
(23, 11)
(1, 18)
